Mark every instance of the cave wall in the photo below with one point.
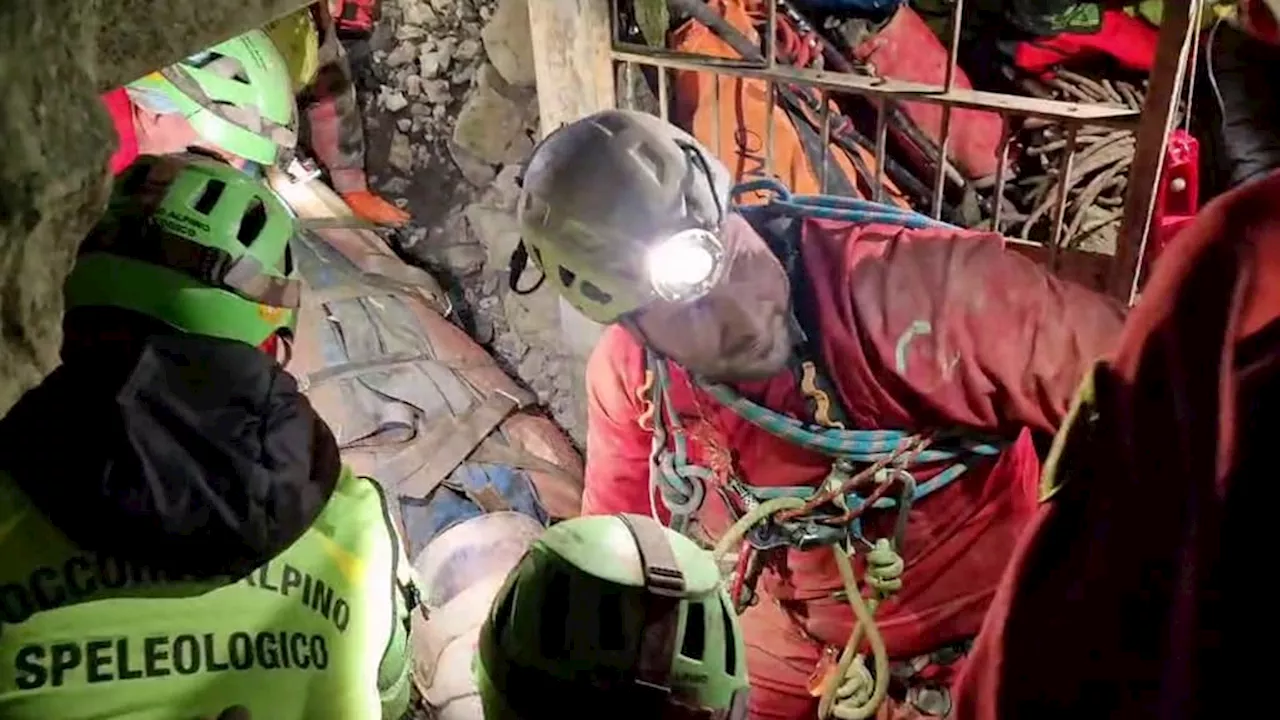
(55, 57)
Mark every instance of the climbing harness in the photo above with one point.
(867, 466)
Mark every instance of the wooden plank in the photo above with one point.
(1158, 114)
(571, 45)
(1085, 113)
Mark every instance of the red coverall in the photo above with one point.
(920, 330)
(1136, 591)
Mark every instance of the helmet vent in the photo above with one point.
(252, 222)
(651, 160)
(694, 643)
(567, 276)
(553, 631)
(730, 647)
(595, 294)
(227, 67)
(611, 638)
(209, 197)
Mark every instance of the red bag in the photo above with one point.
(906, 49)
(1127, 40)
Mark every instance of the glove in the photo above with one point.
(368, 206)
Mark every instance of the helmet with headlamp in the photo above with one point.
(621, 209)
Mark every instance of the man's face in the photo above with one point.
(740, 330)
(170, 133)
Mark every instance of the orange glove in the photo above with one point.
(368, 206)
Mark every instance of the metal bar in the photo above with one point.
(825, 114)
(1064, 187)
(629, 78)
(771, 63)
(715, 129)
(1158, 113)
(940, 176)
(882, 141)
(771, 39)
(953, 53)
(1002, 172)
(1117, 117)
(770, 104)
(664, 100)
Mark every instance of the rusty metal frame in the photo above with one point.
(1118, 274)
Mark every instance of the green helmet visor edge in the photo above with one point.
(214, 267)
(176, 299)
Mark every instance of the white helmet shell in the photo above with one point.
(461, 572)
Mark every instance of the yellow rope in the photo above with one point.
(844, 693)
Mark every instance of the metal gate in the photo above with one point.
(1148, 121)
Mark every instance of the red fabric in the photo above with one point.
(907, 49)
(1259, 21)
(985, 340)
(1136, 592)
(1130, 41)
(121, 111)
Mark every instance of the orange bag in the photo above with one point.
(734, 123)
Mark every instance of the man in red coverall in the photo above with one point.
(917, 330)
(1135, 592)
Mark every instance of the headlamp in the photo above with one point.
(686, 265)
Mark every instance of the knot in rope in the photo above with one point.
(884, 568)
(855, 691)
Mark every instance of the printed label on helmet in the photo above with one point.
(183, 225)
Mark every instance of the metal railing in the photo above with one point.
(1116, 272)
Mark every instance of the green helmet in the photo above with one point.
(196, 244)
(621, 208)
(238, 96)
(612, 616)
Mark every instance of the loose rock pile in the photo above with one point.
(450, 109)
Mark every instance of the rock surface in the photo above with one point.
(450, 112)
(55, 57)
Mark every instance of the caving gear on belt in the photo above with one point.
(196, 244)
(355, 18)
(238, 95)
(87, 635)
(681, 484)
(613, 616)
(620, 209)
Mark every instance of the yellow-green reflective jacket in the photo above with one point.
(319, 632)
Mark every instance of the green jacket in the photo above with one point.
(109, 605)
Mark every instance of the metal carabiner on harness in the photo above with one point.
(681, 484)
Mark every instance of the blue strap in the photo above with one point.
(833, 207)
(865, 446)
